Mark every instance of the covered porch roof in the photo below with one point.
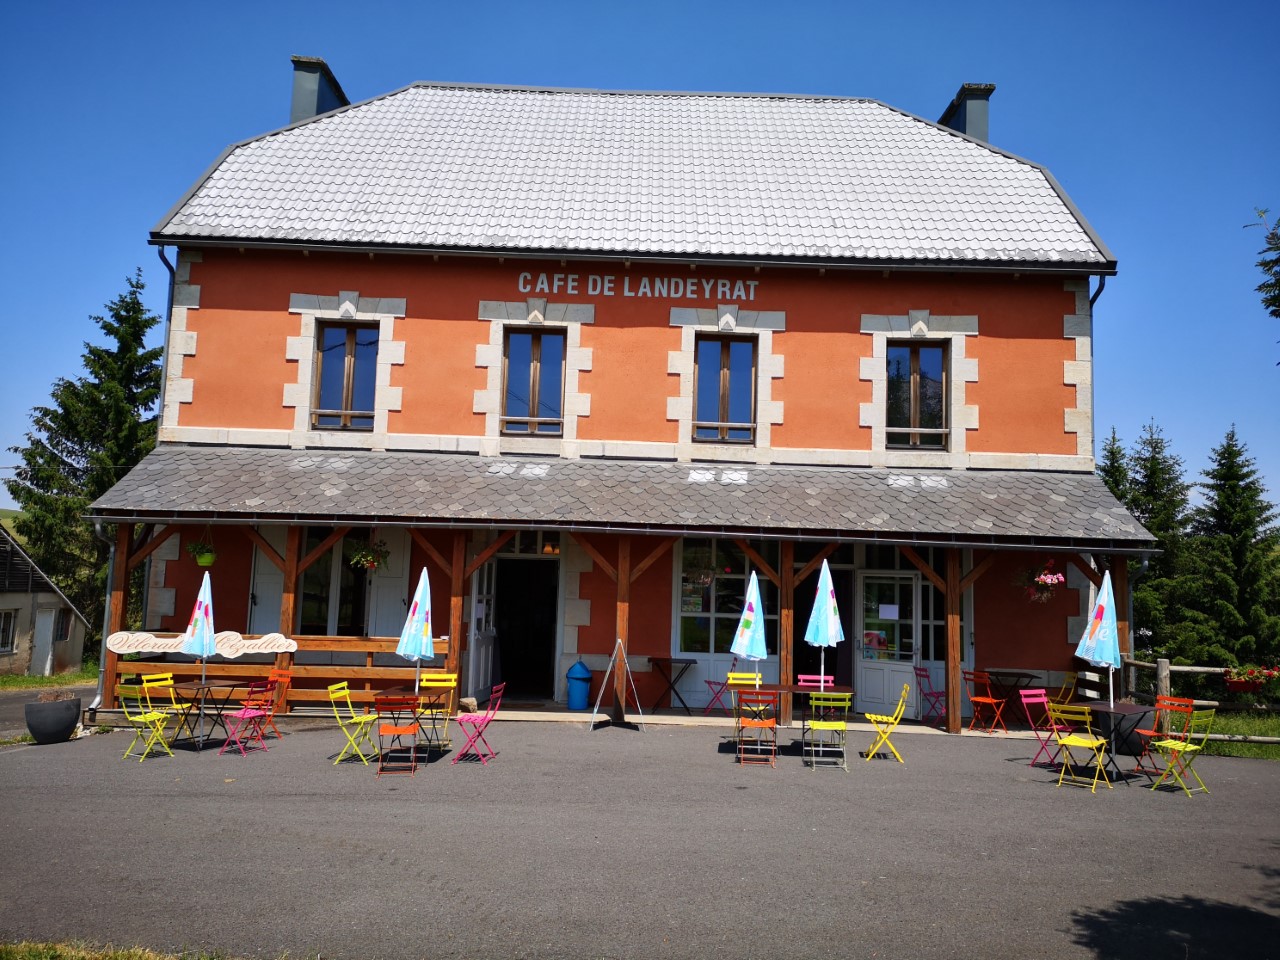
(981, 508)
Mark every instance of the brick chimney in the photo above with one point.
(969, 111)
(315, 89)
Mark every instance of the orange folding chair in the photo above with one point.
(283, 679)
(474, 726)
(983, 700)
(718, 689)
(397, 720)
(933, 702)
(757, 726)
(1169, 722)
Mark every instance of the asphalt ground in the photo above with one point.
(619, 842)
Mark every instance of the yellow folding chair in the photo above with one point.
(885, 724)
(825, 728)
(148, 724)
(1182, 751)
(1073, 728)
(361, 723)
(163, 698)
(438, 693)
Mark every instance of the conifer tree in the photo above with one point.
(95, 427)
(1113, 468)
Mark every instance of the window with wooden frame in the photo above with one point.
(345, 376)
(62, 625)
(533, 382)
(916, 398)
(724, 405)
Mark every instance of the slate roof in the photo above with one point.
(681, 175)
(275, 485)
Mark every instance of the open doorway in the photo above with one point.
(527, 592)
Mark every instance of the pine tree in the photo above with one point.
(1270, 265)
(1113, 468)
(1237, 557)
(94, 429)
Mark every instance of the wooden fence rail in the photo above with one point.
(1164, 670)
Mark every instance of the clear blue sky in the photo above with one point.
(1158, 120)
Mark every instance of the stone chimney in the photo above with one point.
(315, 89)
(969, 111)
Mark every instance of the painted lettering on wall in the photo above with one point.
(666, 288)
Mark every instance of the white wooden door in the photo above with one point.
(483, 637)
(888, 625)
(268, 584)
(389, 587)
(42, 643)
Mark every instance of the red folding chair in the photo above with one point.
(246, 724)
(474, 724)
(718, 689)
(1170, 720)
(933, 701)
(983, 701)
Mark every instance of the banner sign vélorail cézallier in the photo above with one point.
(229, 643)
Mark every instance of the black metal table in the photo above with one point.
(665, 667)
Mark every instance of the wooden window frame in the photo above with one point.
(723, 426)
(346, 415)
(507, 424)
(8, 635)
(914, 431)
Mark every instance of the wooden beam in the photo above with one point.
(151, 545)
(979, 569)
(432, 553)
(596, 555)
(324, 547)
(952, 593)
(1086, 568)
(786, 621)
(259, 541)
(118, 595)
(289, 597)
(812, 566)
(923, 567)
(623, 578)
(759, 561)
(1120, 588)
(457, 592)
(652, 558)
(487, 553)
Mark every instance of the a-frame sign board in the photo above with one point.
(619, 654)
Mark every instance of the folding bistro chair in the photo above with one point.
(1073, 729)
(1182, 752)
(983, 700)
(811, 681)
(148, 724)
(283, 680)
(398, 718)
(1169, 722)
(933, 702)
(1035, 703)
(437, 693)
(348, 721)
(826, 731)
(246, 723)
(757, 726)
(885, 724)
(474, 725)
(163, 698)
(1067, 691)
(718, 689)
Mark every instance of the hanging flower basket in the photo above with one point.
(369, 555)
(1249, 679)
(1039, 584)
(1244, 686)
(203, 552)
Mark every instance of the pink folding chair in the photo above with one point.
(474, 724)
(933, 701)
(718, 689)
(815, 680)
(1035, 702)
(246, 724)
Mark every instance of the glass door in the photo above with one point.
(888, 628)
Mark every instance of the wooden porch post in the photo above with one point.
(786, 620)
(118, 593)
(623, 626)
(289, 596)
(457, 589)
(1120, 587)
(954, 655)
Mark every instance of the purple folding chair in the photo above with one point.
(718, 689)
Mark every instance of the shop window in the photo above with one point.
(8, 624)
(916, 399)
(62, 626)
(713, 585)
(334, 591)
(533, 383)
(724, 408)
(345, 376)
(533, 543)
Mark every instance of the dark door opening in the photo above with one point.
(807, 659)
(525, 623)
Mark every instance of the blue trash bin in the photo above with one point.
(579, 677)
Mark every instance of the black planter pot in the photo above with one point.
(54, 721)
